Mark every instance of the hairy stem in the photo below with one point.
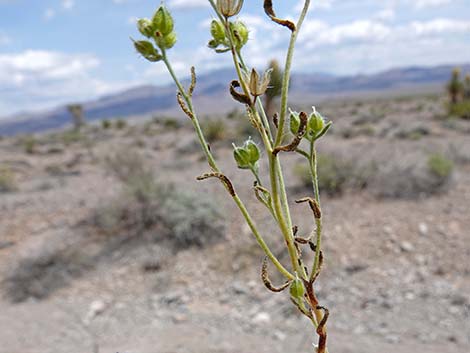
(313, 169)
(287, 72)
(213, 165)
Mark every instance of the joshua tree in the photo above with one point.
(275, 87)
(76, 110)
(455, 87)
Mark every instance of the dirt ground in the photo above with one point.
(397, 248)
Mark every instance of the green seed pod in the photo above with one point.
(297, 289)
(147, 50)
(316, 123)
(162, 21)
(294, 122)
(145, 27)
(242, 157)
(253, 151)
(240, 33)
(247, 157)
(217, 31)
(169, 40)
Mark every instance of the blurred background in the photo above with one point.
(108, 243)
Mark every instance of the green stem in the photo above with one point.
(314, 172)
(287, 72)
(281, 211)
(213, 165)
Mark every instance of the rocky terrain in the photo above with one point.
(89, 264)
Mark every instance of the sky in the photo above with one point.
(59, 51)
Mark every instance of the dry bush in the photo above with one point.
(182, 218)
(7, 180)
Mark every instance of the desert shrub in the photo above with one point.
(412, 176)
(105, 124)
(29, 143)
(440, 166)
(335, 174)
(214, 129)
(71, 136)
(171, 123)
(7, 180)
(183, 218)
(120, 124)
(413, 133)
(461, 109)
(38, 276)
(245, 128)
(190, 219)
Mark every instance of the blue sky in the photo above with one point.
(57, 51)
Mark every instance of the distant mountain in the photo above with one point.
(212, 95)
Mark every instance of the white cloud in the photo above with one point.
(420, 4)
(4, 39)
(49, 14)
(387, 14)
(188, 4)
(68, 4)
(440, 26)
(41, 78)
(316, 4)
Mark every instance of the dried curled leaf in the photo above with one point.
(193, 81)
(313, 206)
(298, 137)
(239, 97)
(226, 181)
(267, 282)
(184, 107)
(269, 10)
(321, 331)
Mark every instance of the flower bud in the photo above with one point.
(162, 21)
(217, 31)
(316, 123)
(297, 289)
(294, 122)
(229, 8)
(145, 27)
(147, 50)
(257, 86)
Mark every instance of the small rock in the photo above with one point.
(239, 288)
(423, 228)
(179, 318)
(262, 318)
(280, 336)
(97, 307)
(406, 246)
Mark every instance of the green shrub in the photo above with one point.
(214, 130)
(30, 143)
(121, 124)
(105, 124)
(461, 109)
(440, 166)
(71, 136)
(7, 180)
(171, 123)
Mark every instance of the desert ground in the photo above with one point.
(109, 244)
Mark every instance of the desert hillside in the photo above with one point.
(109, 244)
